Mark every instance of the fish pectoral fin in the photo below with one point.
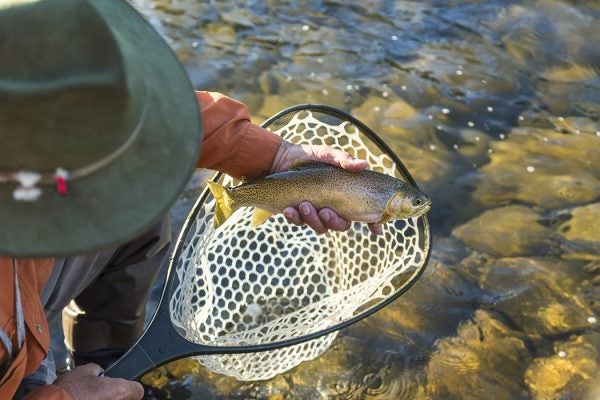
(385, 218)
(260, 216)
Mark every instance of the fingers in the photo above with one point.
(293, 216)
(90, 369)
(346, 161)
(376, 229)
(122, 389)
(333, 221)
(320, 221)
(336, 157)
(323, 220)
(289, 153)
(84, 383)
(311, 217)
(134, 389)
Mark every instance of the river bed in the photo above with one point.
(494, 108)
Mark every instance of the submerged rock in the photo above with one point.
(437, 303)
(538, 34)
(569, 73)
(541, 167)
(583, 231)
(274, 103)
(542, 297)
(572, 372)
(370, 111)
(400, 110)
(575, 125)
(506, 231)
(484, 357)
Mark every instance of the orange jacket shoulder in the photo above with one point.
(231, 143)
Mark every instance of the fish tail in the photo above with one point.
(224, 206)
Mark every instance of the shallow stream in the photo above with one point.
(494, 107)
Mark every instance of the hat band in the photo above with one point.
(27, 181)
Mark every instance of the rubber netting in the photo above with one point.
(239, 285)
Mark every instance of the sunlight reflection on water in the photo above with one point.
(493, 107)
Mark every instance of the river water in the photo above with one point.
(494, 108)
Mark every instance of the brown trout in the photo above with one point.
(365, 196)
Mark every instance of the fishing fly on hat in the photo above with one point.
(99, 126)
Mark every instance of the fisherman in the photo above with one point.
(100, 131)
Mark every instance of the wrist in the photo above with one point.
(277, 164)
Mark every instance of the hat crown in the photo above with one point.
(90, 87)
(67, 96)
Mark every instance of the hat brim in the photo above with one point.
(128, 196)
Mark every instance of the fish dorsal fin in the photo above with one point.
(260, 216)
(303, 164)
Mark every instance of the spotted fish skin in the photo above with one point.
(365, 196)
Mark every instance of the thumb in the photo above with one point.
(346, 161)
(353, 164)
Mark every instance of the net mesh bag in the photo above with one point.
(239, 286)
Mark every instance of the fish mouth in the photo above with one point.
(422, 209)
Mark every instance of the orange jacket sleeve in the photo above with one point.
(231, 143)
(32, 274)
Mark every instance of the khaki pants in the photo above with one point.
(102, 296)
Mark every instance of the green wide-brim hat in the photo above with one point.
(96, 107)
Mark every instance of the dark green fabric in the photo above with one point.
(61, 69)
(126, 197)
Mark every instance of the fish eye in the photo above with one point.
(417, 202)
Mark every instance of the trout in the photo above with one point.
(365, 196)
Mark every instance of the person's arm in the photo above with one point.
(230, 142)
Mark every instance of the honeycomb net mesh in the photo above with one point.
(239, 285)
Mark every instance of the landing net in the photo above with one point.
(240, 286)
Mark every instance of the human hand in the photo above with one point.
(84, 383)
(326, 218)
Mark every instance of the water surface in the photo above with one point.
(494, 107)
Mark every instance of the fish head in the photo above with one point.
(407, 202)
